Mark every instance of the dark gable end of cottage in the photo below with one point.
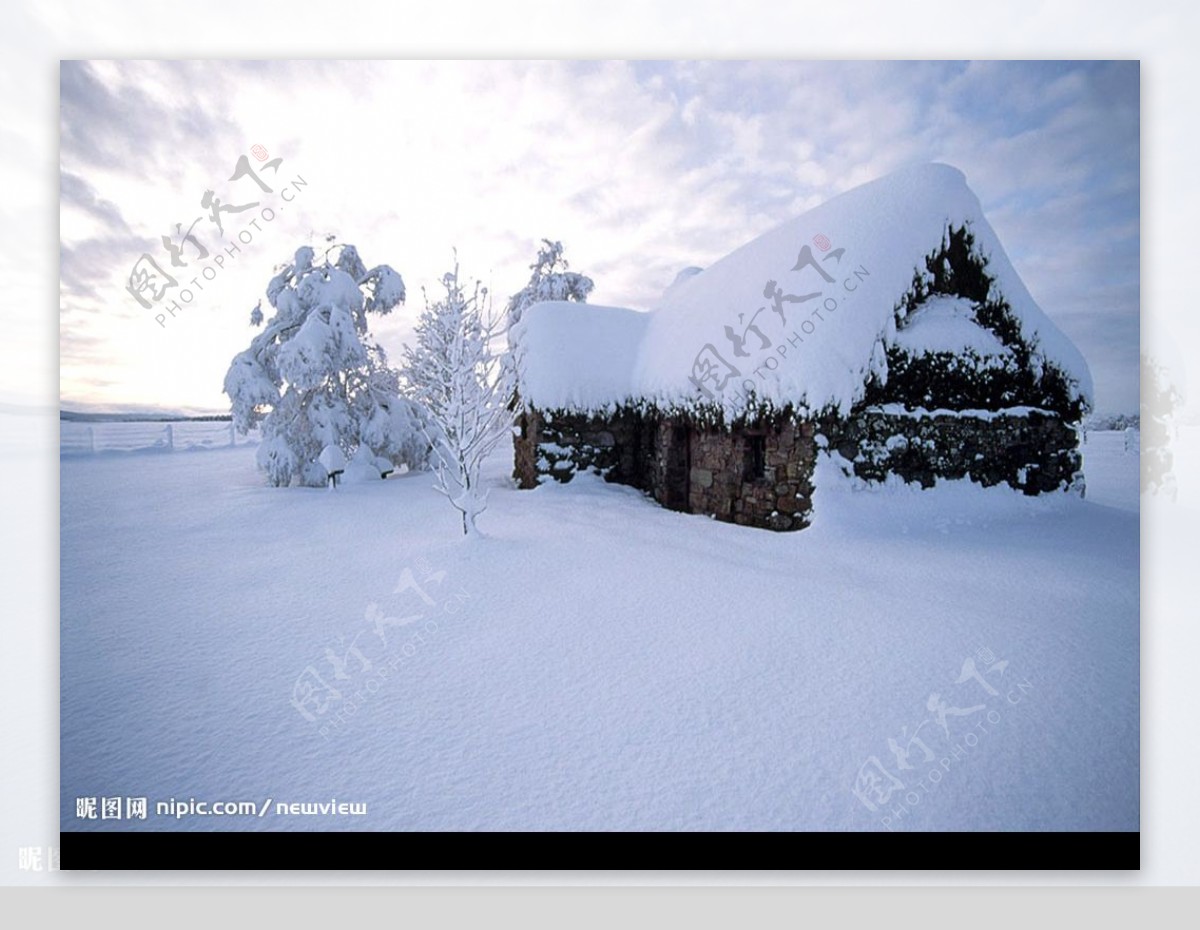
(954, 415)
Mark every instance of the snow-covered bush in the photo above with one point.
(314, 377)
(466, 388)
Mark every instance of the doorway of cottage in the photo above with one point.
(678, 466)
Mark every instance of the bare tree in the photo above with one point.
(465, 386)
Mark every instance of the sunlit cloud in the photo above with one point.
(640, 168)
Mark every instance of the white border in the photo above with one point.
(1160, 34)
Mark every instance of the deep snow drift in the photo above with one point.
(597, 662)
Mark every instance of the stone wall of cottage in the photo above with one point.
(1034, 452)
(665, 457)
(556, 445)
(778, 499)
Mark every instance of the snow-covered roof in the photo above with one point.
(578, 356)
(802, 314)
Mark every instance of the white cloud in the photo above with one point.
(639, 168)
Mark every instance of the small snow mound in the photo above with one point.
(947, 324)
(332, 459)
(690, 272)
(365, 467)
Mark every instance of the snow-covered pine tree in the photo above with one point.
(314, 377)
(463, 383)
(551, 280)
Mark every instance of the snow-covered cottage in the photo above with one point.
(885, 327)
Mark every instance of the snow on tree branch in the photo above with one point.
(314, 377)
(466, 387)
(551, 280)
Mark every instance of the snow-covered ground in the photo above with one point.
(597, 662)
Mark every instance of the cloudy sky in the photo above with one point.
(639, 168)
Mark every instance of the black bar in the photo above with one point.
(146, 850)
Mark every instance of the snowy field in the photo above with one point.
(596, 662)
